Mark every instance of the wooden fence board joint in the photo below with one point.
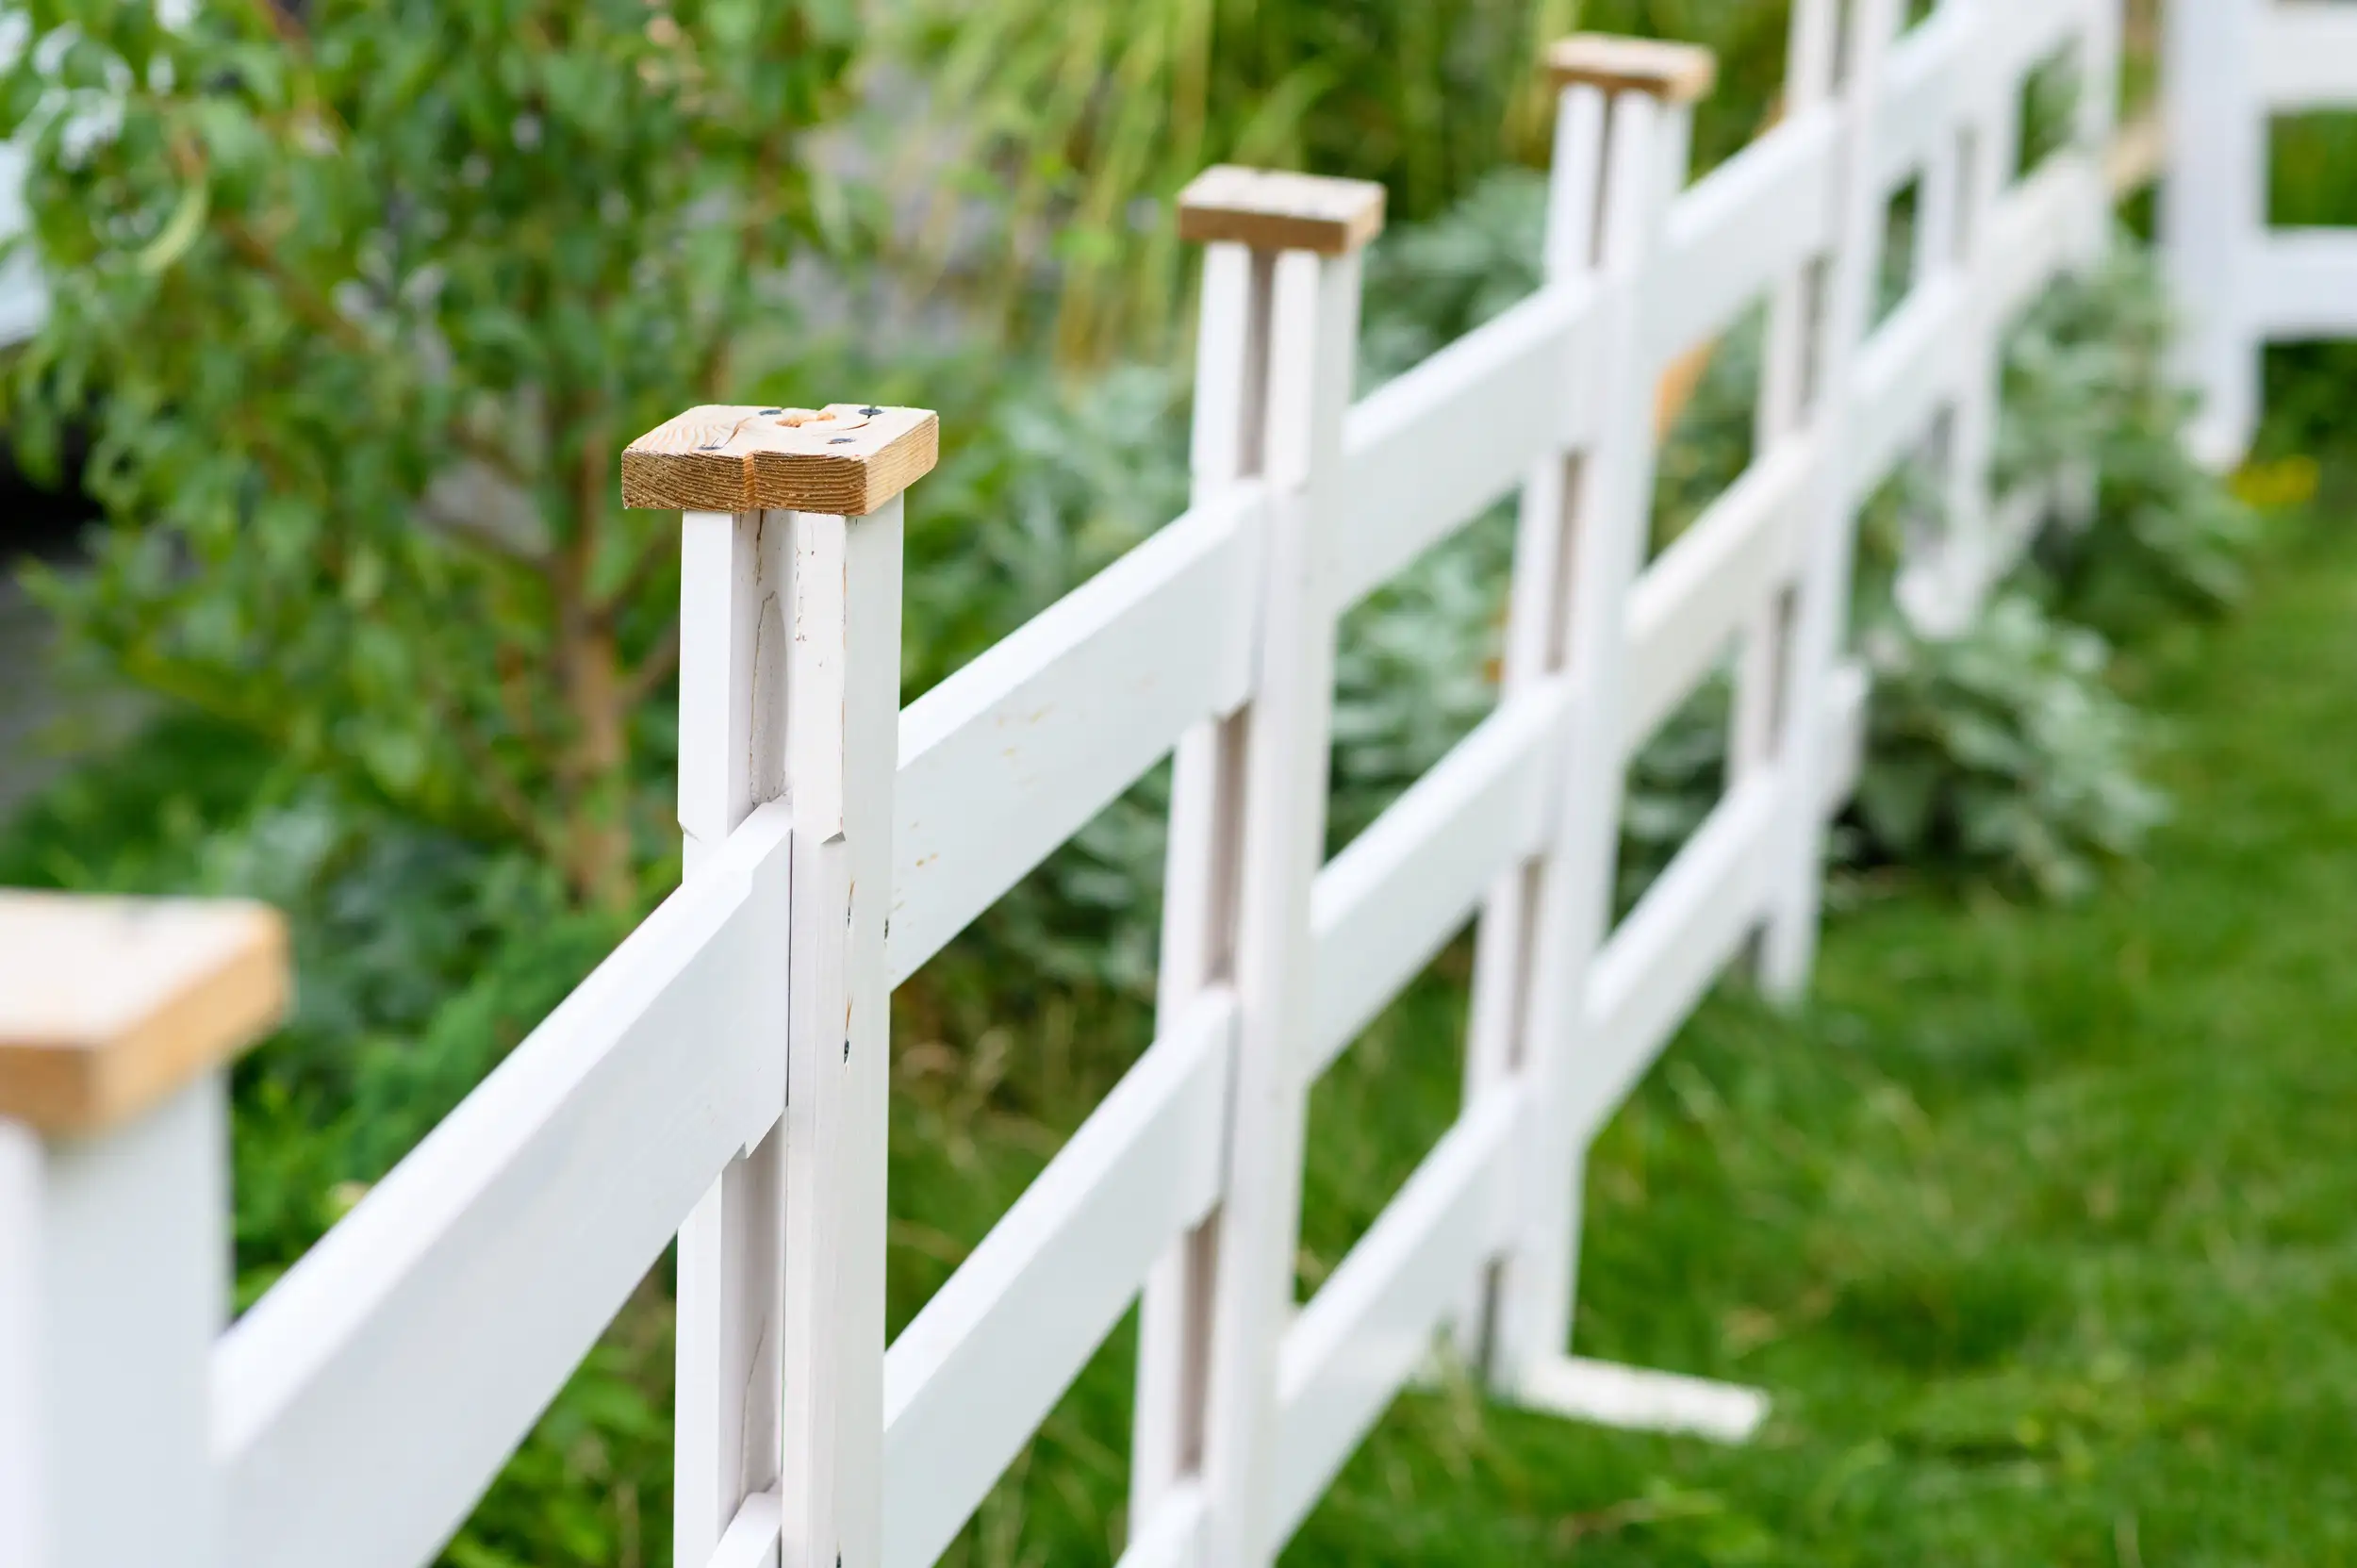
(848, 459)
(1273, 210)
(1673, 72)
(107, 1005)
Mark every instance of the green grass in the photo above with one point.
(2037, 1224)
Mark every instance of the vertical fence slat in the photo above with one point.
(24, 1512)
(790, 687)
(1249, 817)
(1313, 333)
(1506, 965)
(1987, 150)
(731, 684)
(118, 1019)
(1822, 619)
(1782, 415)
(132, 1249)
(1608, 502)
(842, 728)
(2214, 209)
(1198, 889)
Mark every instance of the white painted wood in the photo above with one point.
(969, 1381)
(2307, 56)
(750, 1540)
(1437, 447)
(2103, 47)
(1383, 907)
(1172, 1536)
(1845, 735)
(2213, 209)
(1715, 580)
(1903, 376)
(1198, 899)
(2023, 34)
(1506, 979)
(1664, 957)
(23, 1509)
(1314, 324)
(1932, 73)
(842, 721)
(1011, 756)
(2304, 284)
(1737, 232)
(1609, 504)
(1634, 1399)
(1367, 1330)
(1821, 619)
(366, 1400)
(2040, 228)
(1941, 584)
(1758, 718)
(123, 1244)
(732, 588)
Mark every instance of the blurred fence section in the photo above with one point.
(724, 1073)
(2236, 67)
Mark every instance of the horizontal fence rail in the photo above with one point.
(722, 1074)
(1011, 756)
(969, 1381)
(364, 1401)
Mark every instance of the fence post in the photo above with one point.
(1231, 387)
(1812, 37)
(118, 1019)
(1822, 619)
(1628, 110)
(1248, 828)
(789, 688)
(1538, 631)
(2213, 209)
(1945, 595)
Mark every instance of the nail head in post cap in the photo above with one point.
(1273, 210)
(1674, 73)
(847, 459)
(110, 1006)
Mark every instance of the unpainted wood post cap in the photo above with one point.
(1673, 72)
(847, 459)
(1270, 210)
(108, 1006)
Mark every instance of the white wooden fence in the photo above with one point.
(723, 1075)
(2244, 282)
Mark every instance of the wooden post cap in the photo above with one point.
(1271, 210)
(847, 459)
(1673, 72)
(108, 1005)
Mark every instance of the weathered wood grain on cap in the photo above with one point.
(1273, 210)
(847, 459)
(108, 1005)
(1674, 73)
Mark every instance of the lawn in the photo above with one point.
(2036, 1224)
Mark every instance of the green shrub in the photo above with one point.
(2088, 389)
(360, 309)
(2001, 747)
